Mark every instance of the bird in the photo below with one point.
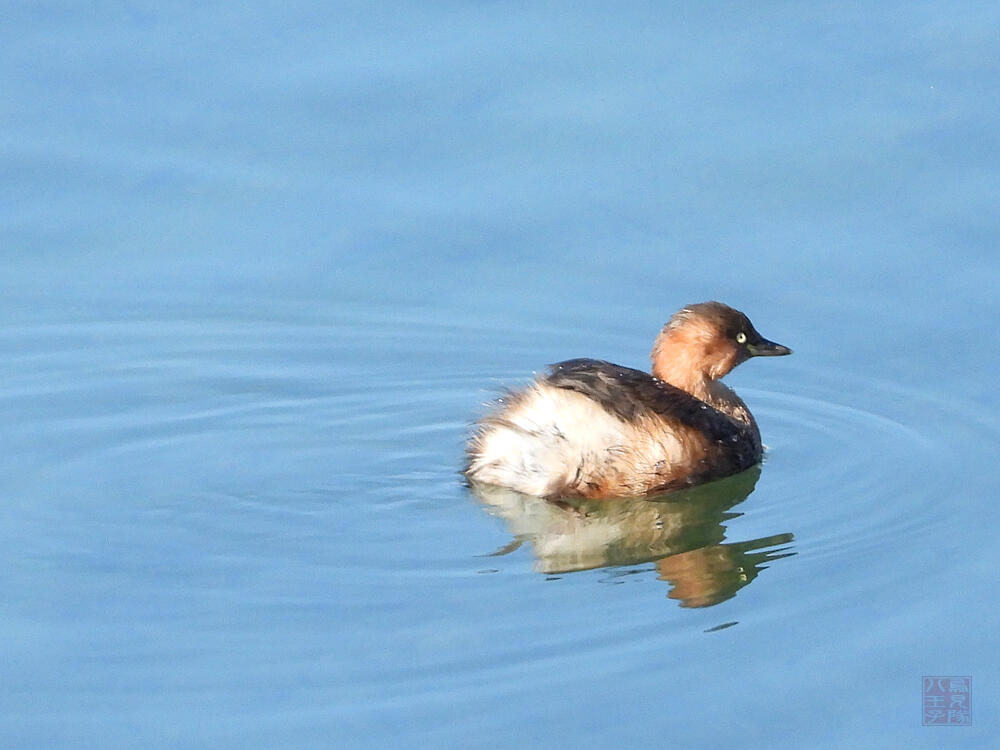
(590, 428)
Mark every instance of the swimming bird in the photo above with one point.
(590, 428)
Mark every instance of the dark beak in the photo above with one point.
(765, 348)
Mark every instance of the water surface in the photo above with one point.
(265, 266)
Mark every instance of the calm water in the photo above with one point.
(264, 266)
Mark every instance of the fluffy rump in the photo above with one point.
(555, 441)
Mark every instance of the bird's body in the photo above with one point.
(590, 428)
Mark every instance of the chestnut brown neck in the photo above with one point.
(688, 355)
(679, 366)
(693, 359)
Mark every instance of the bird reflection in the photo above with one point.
(682, 533)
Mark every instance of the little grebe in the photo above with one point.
(589, 428)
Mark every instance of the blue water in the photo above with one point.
(266, 263)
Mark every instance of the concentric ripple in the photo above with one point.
(356, 426)
(858, 465)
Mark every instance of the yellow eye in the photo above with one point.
(741, 338)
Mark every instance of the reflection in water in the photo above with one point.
(681, 532)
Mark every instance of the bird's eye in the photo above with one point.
(741, 338)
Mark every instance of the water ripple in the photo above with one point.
(383, 408)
